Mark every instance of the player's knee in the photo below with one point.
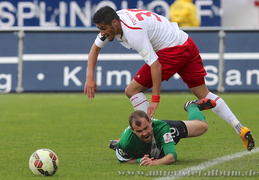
(128, 92)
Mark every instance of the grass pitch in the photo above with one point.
(78, 130)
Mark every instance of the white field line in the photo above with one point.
(210, 163)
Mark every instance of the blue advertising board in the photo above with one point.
(69, 13)
(56, 61)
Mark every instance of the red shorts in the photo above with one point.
(182, 59)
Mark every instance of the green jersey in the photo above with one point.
(130, 147)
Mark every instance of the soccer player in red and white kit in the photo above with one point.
(166, 50)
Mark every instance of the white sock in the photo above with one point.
(223, 111)
(139, 102)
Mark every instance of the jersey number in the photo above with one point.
(143, 12)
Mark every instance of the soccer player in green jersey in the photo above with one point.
(152, 142)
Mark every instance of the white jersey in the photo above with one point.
(147, 33)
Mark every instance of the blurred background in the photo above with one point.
(44, 44)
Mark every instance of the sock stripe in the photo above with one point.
(140, 103)
(133, 98)
(217, 98)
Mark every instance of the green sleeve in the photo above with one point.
(169, 148)
(167, 142)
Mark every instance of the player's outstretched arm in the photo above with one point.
(147, 161)
(90, 83)
(168, 159)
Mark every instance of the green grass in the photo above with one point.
(78, 130)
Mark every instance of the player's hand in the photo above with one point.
(146, 161)
(90, 88)
(151, 109)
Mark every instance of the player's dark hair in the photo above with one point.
(105, 15)
(135, 117)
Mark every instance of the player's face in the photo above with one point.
(144, 131)
(108, 30)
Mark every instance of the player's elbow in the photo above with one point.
(204, 127)
(171, 159)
